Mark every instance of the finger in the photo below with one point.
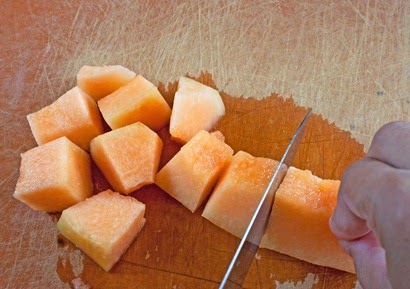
(350, 218)
(370, 262)
(345, 224)
(363, 192)
(391, 145)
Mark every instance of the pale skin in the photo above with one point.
(372, 216)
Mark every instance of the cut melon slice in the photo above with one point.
(137, 101)
(54, 176)
(196, 107)
(103, 226)
(128, 157)
(299, 223)
(74, 115)
(192, 173)
(238, 192)
(100, 81)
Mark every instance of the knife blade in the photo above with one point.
(244, 254)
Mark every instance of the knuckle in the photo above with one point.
(387, 132)
(391, 144)
(390, 127)
(352, 172)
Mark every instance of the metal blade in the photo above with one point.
(243, 257)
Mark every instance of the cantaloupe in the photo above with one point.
(100, 81)
(196, 107)
(238, 192)
(192, 173)
(299, 222)
(137, 101)
(74, 115)
(103, 226)
(128, 157)
(54, 176)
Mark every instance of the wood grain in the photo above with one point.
(348, 60)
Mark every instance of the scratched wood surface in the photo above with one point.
(348, 60)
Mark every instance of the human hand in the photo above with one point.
(372, 216)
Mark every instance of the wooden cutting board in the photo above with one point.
(348, 60)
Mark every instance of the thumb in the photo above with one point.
(369, 260)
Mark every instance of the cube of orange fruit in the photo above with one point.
(74, 115)
(192, 173)
(54, 176)
(137, 101)
(103, 226)
(238, 192)
(196, 107)
(100, 81)
(299, 222)
(128, 157)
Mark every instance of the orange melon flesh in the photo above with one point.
(54, 176)
(137, 101)
(128, 157)
(74, 115)
(100, 81)
(192, 173)
(298, 225)
(103, 226)
(196, 107)
(218, 135)
(238, 192)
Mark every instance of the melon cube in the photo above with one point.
(128, 157)
(196, 107)
(238, 192)
(218, 135)
(74, 115)
(299, 222)
(192, 173)
(100, 81)
(137, 101)
(103, 226)
(54, 176)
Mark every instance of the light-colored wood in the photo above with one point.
(348, 60)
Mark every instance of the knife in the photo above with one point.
(244, 254)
